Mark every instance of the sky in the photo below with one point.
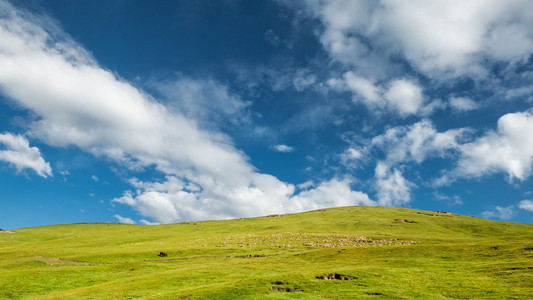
(150, 112)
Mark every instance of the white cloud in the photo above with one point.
(368, 90)
(145, 222)
(351, 156)
(95, 178)
(463, 104)
(124, 220)
(173, 201)
(404, 144)
(283, 148)
(405, 96)
(509, 149)
(502, 213)
(417, 142)
(437, 37)
(80, 104)
(332, 193)
(400, 95)
(392, 188)
(17, 151)
(526, 205)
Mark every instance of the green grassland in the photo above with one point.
(376, 252)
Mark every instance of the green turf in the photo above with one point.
(387, 253)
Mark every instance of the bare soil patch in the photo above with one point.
(404, 221)
(336, 276)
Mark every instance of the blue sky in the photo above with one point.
(158, 112)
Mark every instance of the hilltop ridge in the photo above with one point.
(345, 252)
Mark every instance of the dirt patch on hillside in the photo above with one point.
(436, 213)
(284, 289)
(7, 231)
(404, 221)
(336, 276)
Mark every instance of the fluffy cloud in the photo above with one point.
(79, 103)
(283, 148)
(332, 193)
(437, 37)
(124, 220)
(405, 96)
(509, 149)
(404, 144)
(502, 213)
(526, 205)
(370, 94)
(392, 188)
(17, 151)
(401, 95)
(83, 105)
(174, 200)
(417, 142)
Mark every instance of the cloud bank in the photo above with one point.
(81, 104)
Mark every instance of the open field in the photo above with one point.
(339, 253)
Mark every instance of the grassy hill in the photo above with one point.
(339, 253)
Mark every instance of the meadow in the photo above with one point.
(338, 253)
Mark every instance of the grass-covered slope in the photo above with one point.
(340, 253)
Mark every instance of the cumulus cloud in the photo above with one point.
(124, 220)
(404, 144)
(332, 193)
(508, 149)
(172, 200)
(502, 213)
(392, 188)
(417, 142)
(370, 94)
(80, 104)
(402, 96)
(405, 96)
(526, 205)
(146, 222)
(283, 148)
(17, 151)
(437, 37)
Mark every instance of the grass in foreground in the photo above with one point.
(340, 253)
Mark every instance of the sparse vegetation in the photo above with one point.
(340, 253)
